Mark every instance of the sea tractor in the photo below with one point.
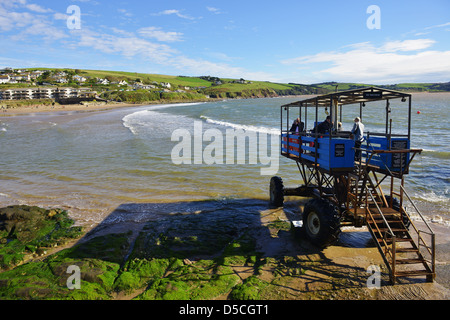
(364, 191)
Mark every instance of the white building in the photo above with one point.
(44, 93)
(22, 77)
(4, 79)
(79, 78)
(102, 81)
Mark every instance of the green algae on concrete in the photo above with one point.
(28, 230)
(180, 257)
(48, 279)
(227, 251)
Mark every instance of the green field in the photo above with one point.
(226, 88)
(132, 76)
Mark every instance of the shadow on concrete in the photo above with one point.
(220, 230)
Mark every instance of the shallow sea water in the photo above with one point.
(94, 162)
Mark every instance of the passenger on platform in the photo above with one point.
(297, 126)
(358, 136)
(325, 127)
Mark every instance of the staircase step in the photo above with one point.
(412, 273)
(384, 210)
(380, 221)
(408, 261)
(397, 240)
(406, 250)
(393, 229)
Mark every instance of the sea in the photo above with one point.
(92, 163)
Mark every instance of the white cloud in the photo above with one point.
(407, 45)
(214, 10)
(37, 8)
(12, 20)
(438, 26)
(174, 12)
(60, 16)
(122, 32)
(41, 29)
(203, 67)
(128, 46)
(395, 61)
(158, 34)
(27, 23)
(125, 12)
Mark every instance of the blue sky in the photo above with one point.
(280, 41)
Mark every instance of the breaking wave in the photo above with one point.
(259, 129)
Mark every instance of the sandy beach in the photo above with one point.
(97, 106)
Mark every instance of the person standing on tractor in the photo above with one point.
(358, 136)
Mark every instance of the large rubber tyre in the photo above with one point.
(321, 221)
(276, 192)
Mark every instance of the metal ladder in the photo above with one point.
(403, 255)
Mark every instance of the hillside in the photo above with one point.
(412, 87)
(137, 87)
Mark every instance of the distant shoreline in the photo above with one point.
(41, 108)
(99, 106)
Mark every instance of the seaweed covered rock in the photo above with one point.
(30, 230)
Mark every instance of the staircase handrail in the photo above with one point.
(380, 212)
(417, 210)
(430, 249)
(392, 251)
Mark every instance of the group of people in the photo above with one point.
(357, 132)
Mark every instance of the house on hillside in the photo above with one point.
(166, 85)
(61, 80)
(22, 77)
(79, 79)
(6, 70)
(36, 74)
(4, 79)
(102, 81)
(140, 85)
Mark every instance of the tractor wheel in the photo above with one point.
(276, 192)
(321, 220)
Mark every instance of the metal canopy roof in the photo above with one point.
(350, 97)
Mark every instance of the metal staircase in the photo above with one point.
(407, 250)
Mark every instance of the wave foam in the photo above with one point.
(152, 121)
(164, 106)
(259, 129)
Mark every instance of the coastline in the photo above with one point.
(68, 107)
(100, 106)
